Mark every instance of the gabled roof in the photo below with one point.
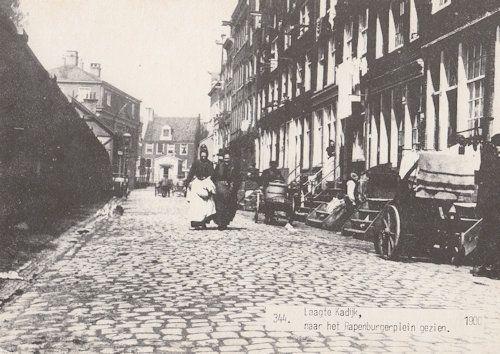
(92, 116)
(75, 74)
(183, 128)
(69, 73)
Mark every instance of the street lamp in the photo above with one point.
(126, 145)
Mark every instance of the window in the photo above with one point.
(300, 77)
(166, 133)
(348, 39)
(84, 93)
(108, 99)
(185, 166)
(132, 108)
(184, 149)
(396, 24)
(379, 40)
(331, 61)
(363, 32)
(149, 148)
(476, 60)
(322, 67)
(308, 71)
(438, 5)
(159, 148)
(451, 66)
(414, 23)
(170, 149)
(304, 19)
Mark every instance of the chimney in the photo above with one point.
(95, 69)
(71, 58)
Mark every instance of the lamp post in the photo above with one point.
(126, 145)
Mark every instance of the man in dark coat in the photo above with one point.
(268, 176)
(227, 182)
(488, 206)
(271, 174)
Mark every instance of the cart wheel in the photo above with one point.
(389, 233)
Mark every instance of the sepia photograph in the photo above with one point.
(249, 176)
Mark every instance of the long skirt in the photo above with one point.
(201, 201)
(225, 203)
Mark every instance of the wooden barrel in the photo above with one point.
(276, 189)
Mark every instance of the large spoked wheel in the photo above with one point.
(387, 239)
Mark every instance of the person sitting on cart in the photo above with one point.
(488, 206)
(269, 175)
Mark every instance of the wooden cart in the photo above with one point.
(433, 212)
(275, 200)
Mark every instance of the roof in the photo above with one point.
(92, 116)
(75, 74)
(183, 128)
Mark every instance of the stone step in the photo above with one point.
(314, 222)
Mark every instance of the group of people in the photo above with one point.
(212, 191)
(165, 186)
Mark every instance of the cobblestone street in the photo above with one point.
(146, 282)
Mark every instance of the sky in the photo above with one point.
(159, 51)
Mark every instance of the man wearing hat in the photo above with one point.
(226, 177)
(488, 207)
(352, 191)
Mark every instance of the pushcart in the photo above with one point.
(276, 200)
(433, 211)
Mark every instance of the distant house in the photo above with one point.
(169, 146)
(103, 133)
(117, 110)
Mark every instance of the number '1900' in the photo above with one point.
(473, 320)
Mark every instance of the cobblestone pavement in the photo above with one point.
(146, 282)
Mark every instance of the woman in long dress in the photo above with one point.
(201, 190)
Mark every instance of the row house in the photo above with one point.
(243, 65)
(298, 103)
(115, 109)
(220, 102)
(431, 75)
(169, 147)
(371, 79)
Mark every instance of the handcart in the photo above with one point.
(275, 200)
(433, 212)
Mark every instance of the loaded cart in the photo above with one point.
(275, 200)
(433, 212)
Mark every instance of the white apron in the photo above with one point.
(200, 198)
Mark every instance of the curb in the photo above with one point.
(66, 242)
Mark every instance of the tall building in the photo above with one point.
(370, 79)
(243, 60)
(117, 110)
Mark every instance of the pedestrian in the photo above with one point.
(488, 207)
(163, 186)
(169, 184)
(270, 175)
(227, 181)
(352, 192)
(201, 190)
